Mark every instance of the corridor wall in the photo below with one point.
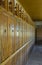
(16, 38)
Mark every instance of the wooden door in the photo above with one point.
(11, 36)
(4, 36)
(17, 34)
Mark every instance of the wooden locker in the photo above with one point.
(17, 34)
(20, 11)
(4, 36)
(11, 34)
(0, 38)
(4, 4)
(25, 31)
(16, 9)
(27, 40)
(0, 2)
(21, 34)
(11, 4)
(0, 45)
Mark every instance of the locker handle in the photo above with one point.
(5, 30)
(12, 30)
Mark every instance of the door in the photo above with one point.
(17, 34)
(4, 36)
(11, 29)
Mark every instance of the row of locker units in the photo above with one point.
(13, 6)
(16, 37)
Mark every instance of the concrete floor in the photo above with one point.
(36, 56)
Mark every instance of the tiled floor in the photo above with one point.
(36, 56)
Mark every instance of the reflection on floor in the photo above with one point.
(36, 56)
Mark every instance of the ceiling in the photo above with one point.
(33, 7)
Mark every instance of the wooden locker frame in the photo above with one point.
(16, 9)
(11, 34)
(17, 33)
(4, 4)
(11, 4)
(0, 47)
(4, 42)
(21, 38)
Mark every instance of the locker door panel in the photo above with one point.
(4, 37)
(0, 45)
(0, 48)
(21, 43)
(23, 34)
(17, 34)
(25, 30)
(11, 46)
(11, 5)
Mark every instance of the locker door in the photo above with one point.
(25, 31)
(30, 33)
(0, 38)
(21, 43)
(4, 36)
(17, 34)
(11, 43)
(26, 34)
(11, 5)
(23, 34)
(0, 45)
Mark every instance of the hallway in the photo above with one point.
(20, 32)
(36, 56)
